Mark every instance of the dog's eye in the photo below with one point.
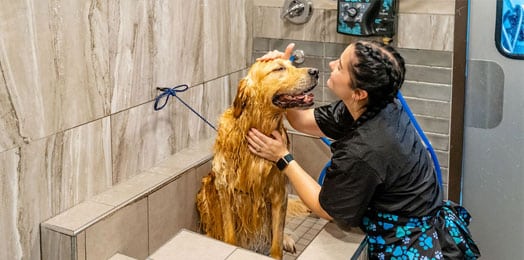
(279, 69)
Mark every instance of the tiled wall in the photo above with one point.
(77, 83)
(424, 37)
(78, 80)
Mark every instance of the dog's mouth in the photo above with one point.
(302, 99)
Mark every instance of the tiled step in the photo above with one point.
(315, 239)
(121, 257)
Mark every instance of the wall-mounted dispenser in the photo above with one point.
(367, 17)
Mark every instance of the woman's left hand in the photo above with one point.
(266, 147)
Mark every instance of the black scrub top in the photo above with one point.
(380, 166)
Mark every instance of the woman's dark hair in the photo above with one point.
(379, 70)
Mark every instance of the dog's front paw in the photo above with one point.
(289, 244)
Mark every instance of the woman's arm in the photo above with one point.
(304, 121)
(273, 149)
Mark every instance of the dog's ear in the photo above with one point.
(241, 98)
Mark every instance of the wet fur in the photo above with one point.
(243, 200)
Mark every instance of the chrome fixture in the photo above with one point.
(298, 56)
(297, 11)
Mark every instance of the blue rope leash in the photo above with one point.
(167, 92)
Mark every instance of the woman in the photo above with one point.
(381, 178)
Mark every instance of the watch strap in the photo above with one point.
(284, 161)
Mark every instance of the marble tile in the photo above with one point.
(131, 53)
(123, 232)
(61, 80)
(172, 208)
(177, 42)
(11, 247)
(427, 7)
(216, 92)
(10, 136)
(55, 245)
(142, 137)
(425, 31)
(56, 173)
(234, 80)
(226, 45)
(192, 246)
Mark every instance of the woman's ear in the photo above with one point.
(360, 94)
(241, 98)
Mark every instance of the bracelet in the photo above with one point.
(284, 161)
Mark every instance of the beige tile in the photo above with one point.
(81, 246)
(427, 7)
(121, 257)
(332, 243)
(77, 218)
(311, 153)
(425, 31)
(55, 245)
(172, 208)
(268, 24)
(192, 246)
(131, 189)
(186, 159)
(317, 4)
(123, 232)
(242, 254)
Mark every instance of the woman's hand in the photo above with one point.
(277, 54)
(266, 147)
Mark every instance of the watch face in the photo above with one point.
(509, 31)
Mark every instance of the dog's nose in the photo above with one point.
(313, 72)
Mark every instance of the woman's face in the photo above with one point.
(339, 79)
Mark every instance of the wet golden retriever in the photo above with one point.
(243, 200)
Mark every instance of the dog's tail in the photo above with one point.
(208, 206)
(296, 208)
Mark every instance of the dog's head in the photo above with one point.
(276, 85)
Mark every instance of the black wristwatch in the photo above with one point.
(284, 161)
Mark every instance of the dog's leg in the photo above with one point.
(278, 216)
(227, 218)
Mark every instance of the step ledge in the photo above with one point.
(83, 215)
